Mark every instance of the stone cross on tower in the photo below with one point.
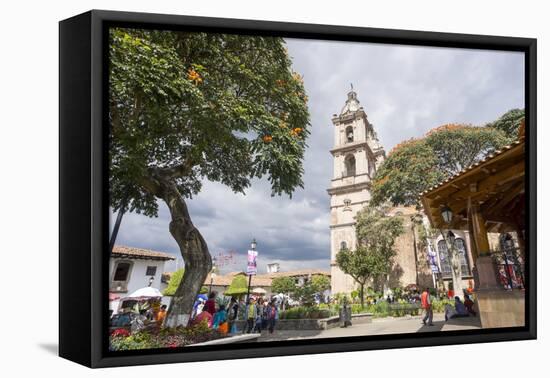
(357, 154)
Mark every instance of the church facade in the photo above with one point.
(357, 154)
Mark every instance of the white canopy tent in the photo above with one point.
(145, 292)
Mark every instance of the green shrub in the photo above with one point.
(284, 285)
(381, 309)
(303, 312)
(438, 305)
(174, 282)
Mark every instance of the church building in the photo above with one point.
(357, 154)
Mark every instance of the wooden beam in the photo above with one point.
(510, 195)
(513, 172)
(459, 204)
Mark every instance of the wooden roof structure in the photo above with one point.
(495, 185)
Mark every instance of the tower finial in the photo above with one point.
(351, 84)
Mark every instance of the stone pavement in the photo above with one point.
(381, 326)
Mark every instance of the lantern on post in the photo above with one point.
(213, 273)
(251, 268)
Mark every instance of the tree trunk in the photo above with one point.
(386, 286)
(193, 248)
(456, 273)
(456, 270)
(415, 245)
(362, 294)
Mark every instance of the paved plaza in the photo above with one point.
(382, 326)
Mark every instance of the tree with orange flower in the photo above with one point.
(415, 165)
(188, 106)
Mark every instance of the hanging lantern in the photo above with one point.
(447, 214)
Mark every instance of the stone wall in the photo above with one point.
(501, 308)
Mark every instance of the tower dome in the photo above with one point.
(352, 103)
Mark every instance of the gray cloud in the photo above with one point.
(405, 91)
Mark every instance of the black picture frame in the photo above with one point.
(84, 218)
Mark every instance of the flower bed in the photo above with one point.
(122, 339)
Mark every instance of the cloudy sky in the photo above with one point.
(405, 91)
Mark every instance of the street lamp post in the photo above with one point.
(452, 253)
(253, 245)
(212, 274)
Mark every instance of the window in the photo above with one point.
(343, 245)
(349, 134)
(461, 247)
(151, 271)
(445, 260)
(347, 205)
(350, 165)
(121, 272)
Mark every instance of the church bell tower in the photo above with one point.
(357, 154)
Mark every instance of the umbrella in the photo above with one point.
(145, 292)
(259, 290)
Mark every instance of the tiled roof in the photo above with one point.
(225, 280)
(262, 280)
(298, 273)
(139, 253)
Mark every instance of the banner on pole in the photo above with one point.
(432, 258)
(252, 268)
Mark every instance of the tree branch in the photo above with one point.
(179, 170)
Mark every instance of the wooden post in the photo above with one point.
(481, 239)
(484, 271)
(471, 238)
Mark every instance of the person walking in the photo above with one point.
(260, 309)
(272, 315)
(250, 313)
(427, 306)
